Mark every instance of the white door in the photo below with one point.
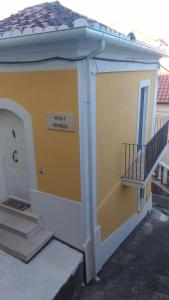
(12, 141)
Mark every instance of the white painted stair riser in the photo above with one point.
(21, 233)
(22, 214)
(22, 248)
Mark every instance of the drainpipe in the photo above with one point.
(92, 208)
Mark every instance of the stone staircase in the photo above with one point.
(21, 233)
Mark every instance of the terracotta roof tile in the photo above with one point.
(53, 16)
(43, 16)
(163, 89)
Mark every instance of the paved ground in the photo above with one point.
(139, 270)
(42, 277)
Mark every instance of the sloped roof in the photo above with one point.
(46, 17)
(52, 17)
(163, 89)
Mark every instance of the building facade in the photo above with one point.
(70, 97)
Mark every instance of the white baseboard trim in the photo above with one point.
(60, 215)
(105, 249)
(64, 218)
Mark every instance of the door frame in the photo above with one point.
(143, 84)
(17, 109)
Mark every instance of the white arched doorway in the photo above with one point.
(17, 168)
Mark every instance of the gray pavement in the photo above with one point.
(139, 269)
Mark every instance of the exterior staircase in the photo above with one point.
(22, 233)
(160, 180)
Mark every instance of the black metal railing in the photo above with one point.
(139, 160)
(161, 174)
(159, 122)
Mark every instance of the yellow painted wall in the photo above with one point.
(58, 152)
(117, 108)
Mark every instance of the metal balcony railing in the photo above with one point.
(159, 122)
(140, 160)
(161, 174)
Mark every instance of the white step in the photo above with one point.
(16, 224)
(27, 215)
(23, 248)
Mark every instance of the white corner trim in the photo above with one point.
(87, 153)
(83, 136)
(27, 122)
(84, 162)
(106, 248)
(92, 142)
(60, 215)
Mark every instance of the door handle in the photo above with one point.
(14, 156)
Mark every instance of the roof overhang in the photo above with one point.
(76, 35)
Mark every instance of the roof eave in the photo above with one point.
(79, 33)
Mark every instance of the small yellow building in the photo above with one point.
(72, 92)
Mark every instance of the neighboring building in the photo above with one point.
(163, 109)
(72, 91)
(163, 95)
(145, 37)
(152, 40)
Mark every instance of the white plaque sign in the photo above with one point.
(60, 121)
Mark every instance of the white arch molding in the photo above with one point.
(17, 109)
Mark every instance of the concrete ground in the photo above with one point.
(42, 277)
(139, 269)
